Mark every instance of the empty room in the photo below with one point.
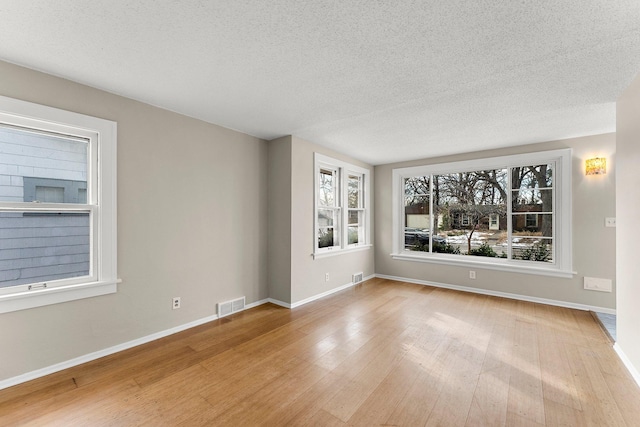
(331, 213)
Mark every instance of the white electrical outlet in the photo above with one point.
(326, 277)
(176, 303)
(472, 274)
(609, 222)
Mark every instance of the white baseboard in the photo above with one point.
(502, 294)
(327, 293)
(111, 350)
(627, 363)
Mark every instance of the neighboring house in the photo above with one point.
(47, 245)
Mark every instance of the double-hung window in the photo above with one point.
(508, 213)
(341, 206)
(57, 205)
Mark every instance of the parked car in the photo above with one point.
(414, 236)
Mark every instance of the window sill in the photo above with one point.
(42, 297)
(485, 263)
(341, 251)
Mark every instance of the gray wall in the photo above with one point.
(279, 254)
(628, 210)
(593, 244)
(192, 199)
(294, 275)
(307, 274)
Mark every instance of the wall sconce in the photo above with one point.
(596, 166)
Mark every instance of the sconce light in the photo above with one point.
(596, 166)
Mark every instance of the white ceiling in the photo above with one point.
(381, 81)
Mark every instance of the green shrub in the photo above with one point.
(445, 248)
(484, 250)
(537, 252)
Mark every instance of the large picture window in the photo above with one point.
(341, 206)
(510, 213)
(57, 205)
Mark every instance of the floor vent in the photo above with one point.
(357, 278)
(228, 307)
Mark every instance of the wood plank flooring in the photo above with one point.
(381, 353)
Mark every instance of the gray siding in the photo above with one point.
(37, 248)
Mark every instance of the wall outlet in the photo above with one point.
(175, 303)
(472, 274)
(594, 284)
(326, 277)
(609, 222)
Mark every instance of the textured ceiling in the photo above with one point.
(382, 81)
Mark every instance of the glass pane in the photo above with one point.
(416, 212)
(355, 217)
(355, 191)
(532, 224)
(28, 160)
(325, 238)
(532, 249)
(417, 185)
(356, 234)
(532, 200)
(40, 247)
(326, 217)
(326, 188)
(471, 212)
(540, 176)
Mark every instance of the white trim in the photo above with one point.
(627, 363)
(278, 302)
(327, 293)
(483, 262)
(562, 158)
(518, 297)
(40, 297)
(342, 169)
(102, 171)
(341, 251)
(115, 349)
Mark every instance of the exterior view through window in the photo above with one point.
(341, 206)
(503, 213)
(45, 222)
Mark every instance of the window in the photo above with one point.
(57, 205)
(341, 206)
(510, 213)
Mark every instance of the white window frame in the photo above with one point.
(102, 137)
(562, 264)
(343, 170)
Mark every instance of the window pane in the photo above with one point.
(326, 217)
(28, 160)
(325, 238)
(540, 176)
(532, 224)
(417, 185)
(355, 191)
(40, 247)
(327, 188)
(532, 200)
(532, 249)
(471, 212)
(355, 217)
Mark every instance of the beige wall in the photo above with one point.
(307, 274)
(192, 199)
(628, 211)
(593, 244)
(279, 237)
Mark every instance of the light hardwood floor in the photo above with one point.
(381, 353)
